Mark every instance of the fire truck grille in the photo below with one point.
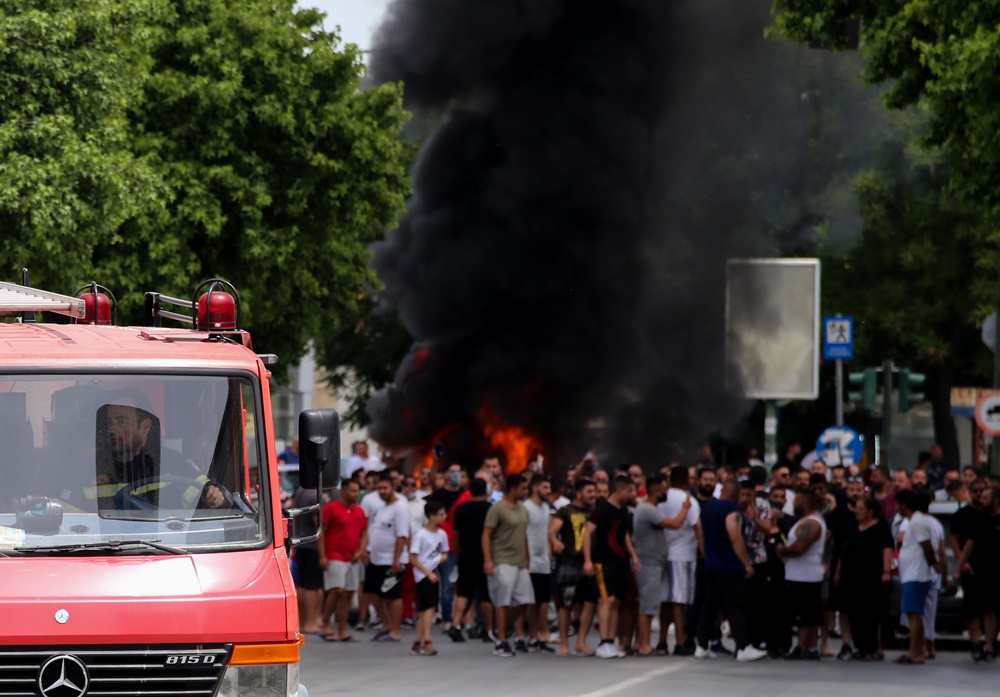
(112, 671)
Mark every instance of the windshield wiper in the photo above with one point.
(108, 545)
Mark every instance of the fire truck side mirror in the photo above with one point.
(319, 445)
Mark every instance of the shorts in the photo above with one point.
(573, 587)
(613, 579)
(310, 576)
(379, 582)
(342, 574)
(915, 596)
(649, 581)
(427, 595)
(542, 586)
(679, 582)
(973, 597)
(510, 586)
(804, 603)
(472, 581)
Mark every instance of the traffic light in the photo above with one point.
(867, 382)
(907, 381)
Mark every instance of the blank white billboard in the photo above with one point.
(772, 327)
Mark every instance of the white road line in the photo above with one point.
(632, 682)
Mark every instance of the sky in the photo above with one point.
(358, 19)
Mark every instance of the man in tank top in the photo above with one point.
(804, 572)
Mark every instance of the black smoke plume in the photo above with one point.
(563, 256)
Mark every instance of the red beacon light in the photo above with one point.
(98, 308)
(218, 310)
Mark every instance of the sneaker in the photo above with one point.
(989, 657)
(492, 636)
(502, 648)
(703, 654)
(811, 655)
(375, 623)
(606, 650)
(521, 645)
(415, 649)
(537, 646)
(408, 623)
(979, 654)
(719, 649)
(428, 650)
(845, 653)
(455, 634)
(795, 654)
(474, 631)
(750, 653)
(683, 650)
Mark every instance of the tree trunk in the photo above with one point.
(940, 381)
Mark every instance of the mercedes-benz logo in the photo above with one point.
(63, 676)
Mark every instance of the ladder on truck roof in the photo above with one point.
(16, 299)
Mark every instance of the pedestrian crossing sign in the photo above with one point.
(838, 338)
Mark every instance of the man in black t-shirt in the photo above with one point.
(468, 530)
(842, 522)
(574, 592)
(981, 558)
(964, 524)
(607, 548)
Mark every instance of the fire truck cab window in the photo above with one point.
(98, 458)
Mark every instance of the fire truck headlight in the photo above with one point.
(269, 680)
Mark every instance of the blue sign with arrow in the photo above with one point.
(840, 445)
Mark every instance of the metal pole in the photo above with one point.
(887, 369)
(770, 433)
(840, 393)
(995, 446)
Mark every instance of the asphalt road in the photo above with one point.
(470, 669)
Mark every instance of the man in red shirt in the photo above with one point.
(342, 540)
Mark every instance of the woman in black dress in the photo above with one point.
(863, 576)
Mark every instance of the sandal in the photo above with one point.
(907, 661)
(661, 649)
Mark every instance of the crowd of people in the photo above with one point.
(606, 562)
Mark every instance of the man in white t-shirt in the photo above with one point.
(539, 563)
(682, 558)
(937, 542)
(360, 460)
(388, 534)
(918, 562)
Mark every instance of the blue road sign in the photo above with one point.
(838, 338)
(840, 445)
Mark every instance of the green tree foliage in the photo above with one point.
(197, 138)
(68, 176)
(923, 275)
(909, 278)
(280, 168)
(942, 55)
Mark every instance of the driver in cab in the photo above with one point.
(137, 465)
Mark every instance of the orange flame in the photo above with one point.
(517, 445)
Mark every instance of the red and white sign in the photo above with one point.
(988, 412)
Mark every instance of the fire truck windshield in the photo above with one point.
(174, 460)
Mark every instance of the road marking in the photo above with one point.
(632, 682)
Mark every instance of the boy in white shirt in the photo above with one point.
(428, 548)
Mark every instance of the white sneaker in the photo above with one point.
(606, 651)
(750, 653)
(704, 654)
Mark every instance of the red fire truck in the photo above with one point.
(142, 540)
